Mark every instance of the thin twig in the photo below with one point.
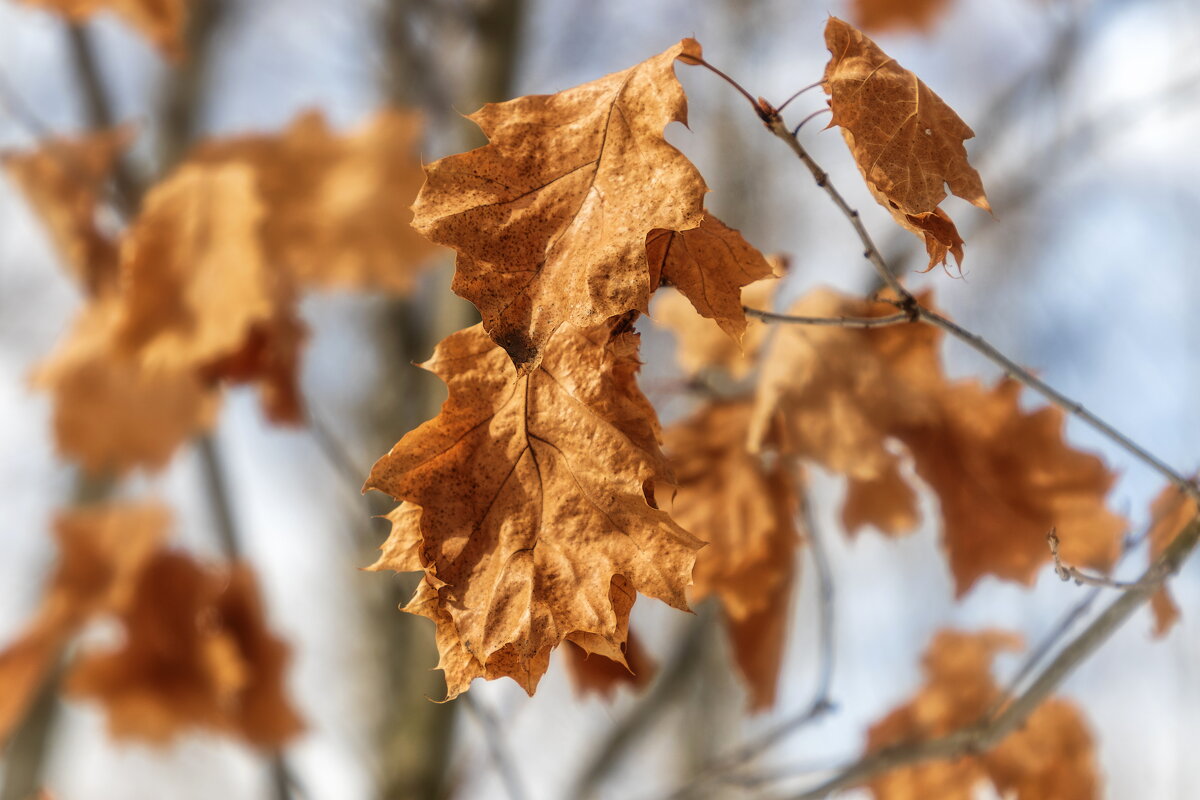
(908, 303)
(821, 703)
(1066, 572)
(838, 322)
(497, 746)
(992, 730)
(1019, 373)
(21, 111)
(797, 93)
(674, 678)
(776, 125)
(1060, 630)
(810, 118)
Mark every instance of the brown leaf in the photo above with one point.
(198, 293)
(197, 653)
(64, 181)
(1003, 476)
(550, 218)
(907, 142)
(592, 673)
(160, 21)
(701, 345)
(102, 552)
(111, 413)
(533, 495)
(709, 265)
(337, 206)
(1170, 512)
(878, 16)
(746, 511)
(1052, 756)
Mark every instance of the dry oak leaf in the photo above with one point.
(102, 551)
(112, 413)
(709, 265)
(848, 399)
(700, 345)
(197, 653)
(1170, 512)
(160, 21)
(1004, 477)
(337, 206)
(64, 180)
(593, 663)
(907, 142)
(533, 492)
(550, 218)
(878, 16)
(1052, 757)
(592, 673)
(746, 510)
(199, 294)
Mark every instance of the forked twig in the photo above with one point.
(1068, 573)
(994, 727)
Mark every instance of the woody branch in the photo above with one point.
(990, 730)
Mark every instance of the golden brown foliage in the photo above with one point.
(701, 345)
(533, 493)
(1003, 476)
(878, 16)
(746, 511)
(709, 265)
(592, 673)
(550, 218)
(102, 553)
(1051, 758)
(64, 181)
(1169, 513)
(197, 654)
(112, 413)
(198, 293)
(907, 142)
(336, 207)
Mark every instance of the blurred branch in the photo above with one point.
(670, 684)
(502, 757)
(991, 731)
(821, 703)
(25, 755)
(908, 304)
(417, 735)
(837, 322)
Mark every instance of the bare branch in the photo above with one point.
(1069, 573)
(993, 728)
(675, 677)
(909, 304)
(1019, 373)
(821, 703)
(497, 747)
(990, 731)
(839, 322)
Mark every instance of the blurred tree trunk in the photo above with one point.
(416, 734)
(25, 757)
